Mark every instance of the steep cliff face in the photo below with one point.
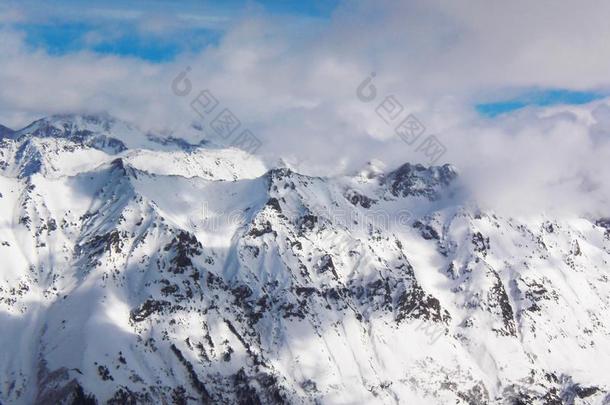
(138, 270)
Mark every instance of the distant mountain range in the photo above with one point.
(144, 269)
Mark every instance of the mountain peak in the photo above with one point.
(372, 168)
(419, 180)
(100, 131)
(5, 132)
(192, 270)
(66, 125)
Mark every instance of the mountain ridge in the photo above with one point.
(201, 275)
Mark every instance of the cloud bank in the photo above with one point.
(293, 82)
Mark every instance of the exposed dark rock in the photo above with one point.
(426, 231)
(256, 232)
(326, 264)
(498, 298)
(358, 199)
(274, 204)
(420, 181)
(481, 243)
(307, 222)
(185, 245)
(104, 373)
(195, 381)
(148, 308)
(414, 303)
(124, 396)
(584, 392)
(109, 242)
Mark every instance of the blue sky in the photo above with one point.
(537, 97)
(66, 37)
(158, 31)
(144, 29)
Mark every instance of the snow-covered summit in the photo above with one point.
(159, 273)
(418, 180)
(67, 144)
(100, 131)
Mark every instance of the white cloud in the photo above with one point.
(293, 83)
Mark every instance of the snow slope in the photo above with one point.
(142, 270)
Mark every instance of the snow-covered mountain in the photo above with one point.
(5, 131)
(138, 268)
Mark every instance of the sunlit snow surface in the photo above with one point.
(143, 271)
